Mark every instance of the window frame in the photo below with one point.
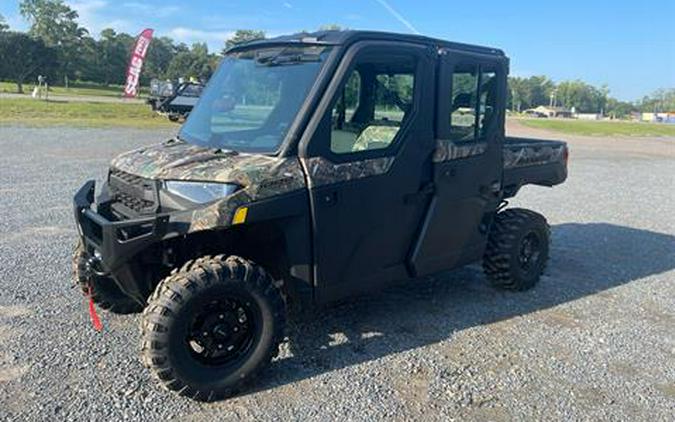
(398, 124)
(450, 61)
(320, 128)
(342, 96)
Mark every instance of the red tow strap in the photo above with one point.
(95, 320)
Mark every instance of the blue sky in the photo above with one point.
(629, 45)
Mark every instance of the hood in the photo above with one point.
(177, 160)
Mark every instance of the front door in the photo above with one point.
(467, 162)
(369, 167)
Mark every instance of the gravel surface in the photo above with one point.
(594, 341)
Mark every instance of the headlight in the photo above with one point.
(200, 192)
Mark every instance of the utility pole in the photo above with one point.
(553, 99)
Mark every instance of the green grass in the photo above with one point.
(41, 113)
(75, 89)
(602, 128)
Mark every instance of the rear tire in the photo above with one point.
(104, 291)
(212, 326)
(517, 249)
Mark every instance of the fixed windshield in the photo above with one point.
(253, 98)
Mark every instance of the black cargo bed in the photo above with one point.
(533, 161)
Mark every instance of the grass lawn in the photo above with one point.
(601, 128)
(77, 88)
(41, 113)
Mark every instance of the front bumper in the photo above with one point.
(118, 241)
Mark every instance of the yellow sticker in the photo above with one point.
(240, 215)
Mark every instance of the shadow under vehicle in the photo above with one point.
(313, 168)
(435, 308)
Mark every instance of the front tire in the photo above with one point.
(517, 249)
(103, 290)
(212, 326)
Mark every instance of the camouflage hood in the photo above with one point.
(176, 160)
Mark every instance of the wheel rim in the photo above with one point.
(223, 331)
(530, 253)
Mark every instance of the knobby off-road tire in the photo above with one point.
(517, 249)
(104, 291)
(212, 326)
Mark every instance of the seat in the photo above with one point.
(375, 137)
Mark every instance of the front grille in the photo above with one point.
(128, 178)
(134, 193)
(136, 204)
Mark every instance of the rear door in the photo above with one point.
(467, 163)
(368, 165)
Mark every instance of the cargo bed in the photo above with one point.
(533, 161)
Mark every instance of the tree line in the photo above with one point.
(526, 93)
(57, 47)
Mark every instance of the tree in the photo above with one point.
(23, 57)
(161, 52)
(619, 109)
(51, 20)
(90, 63)
(201, 65)
(114, 49)
(3, 25)
(55, 23)
(529, 92)
(242, 36)
(330, 27)
(193, 63)
(662, 100)
(582, 96)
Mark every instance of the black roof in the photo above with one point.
(350, 36)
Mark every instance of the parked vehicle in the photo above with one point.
(315, 167)
(174, 100)
(534, 113)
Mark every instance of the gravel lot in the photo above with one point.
(594, 341)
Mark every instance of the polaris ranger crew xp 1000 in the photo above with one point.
(314, 167)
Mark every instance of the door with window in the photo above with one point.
(368, 163)
(467, 161)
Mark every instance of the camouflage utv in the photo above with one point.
(314, 167)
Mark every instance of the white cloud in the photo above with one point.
(397, 16)
(87, 6)
(16, 22)
(154, 11)
(215, 39)
(88, 12)
(287, 5)
(94, 16)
